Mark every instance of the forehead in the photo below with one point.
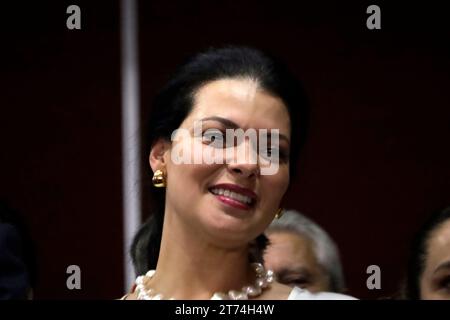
(439, 245)
(287, 247)
(242, 101)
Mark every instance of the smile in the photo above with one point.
(234, 195)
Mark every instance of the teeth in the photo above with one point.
(233, 195)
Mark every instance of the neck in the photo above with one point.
(190, 267)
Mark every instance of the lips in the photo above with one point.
(234, 195)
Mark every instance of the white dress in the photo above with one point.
(302, 294)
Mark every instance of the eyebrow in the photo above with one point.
(231, 124)
(444, 265)
(300, 271)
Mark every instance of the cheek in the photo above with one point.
(190, 181)
(190, 178)
(275, 186)
(426, 291)
(182, 164)
(187, 186)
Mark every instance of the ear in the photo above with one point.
(158, 154)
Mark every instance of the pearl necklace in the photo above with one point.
(263, 279)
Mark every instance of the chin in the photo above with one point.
(229, 229)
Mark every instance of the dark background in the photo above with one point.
(375, 165)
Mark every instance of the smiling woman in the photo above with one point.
(206, 237)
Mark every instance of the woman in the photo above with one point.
(429, 266)
(206, 237)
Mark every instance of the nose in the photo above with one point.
(245, 170)
(244, 161)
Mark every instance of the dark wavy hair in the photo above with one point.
(174, 103)
(419, 253)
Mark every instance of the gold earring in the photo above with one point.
(279, 213)
(159, 180)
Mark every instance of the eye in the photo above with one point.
(267, 152)
(299, 282)
(273, 151)
(445, 283)
(213, 137)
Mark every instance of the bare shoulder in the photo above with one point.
(277, 291)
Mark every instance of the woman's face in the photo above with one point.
(435, 280)
(228, 203)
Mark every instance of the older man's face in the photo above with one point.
(293, 260)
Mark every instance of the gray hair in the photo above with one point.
(325, 248)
